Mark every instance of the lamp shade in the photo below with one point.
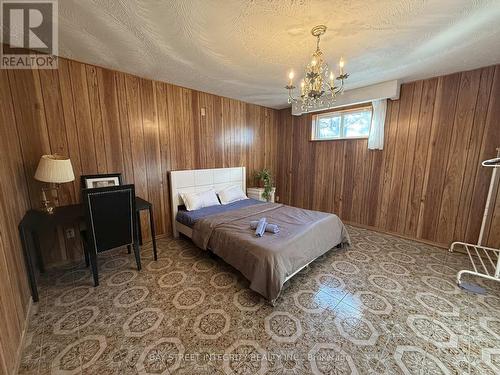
(54, 168)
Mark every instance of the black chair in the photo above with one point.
(111, 222)
(83, 185)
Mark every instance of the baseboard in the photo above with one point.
(19, 352)
(375, 229)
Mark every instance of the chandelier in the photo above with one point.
(318, 89)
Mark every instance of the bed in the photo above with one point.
(268, 261)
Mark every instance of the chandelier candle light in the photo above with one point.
(317, 88)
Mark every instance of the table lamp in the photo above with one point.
(54, 169)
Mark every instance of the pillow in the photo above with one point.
(209, 198)
(195, 201)
(192, 201)
(231, 194)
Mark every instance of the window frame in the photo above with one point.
(316, 117)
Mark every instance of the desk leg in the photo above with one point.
(153, 232)
(38, 252)
(29, 264)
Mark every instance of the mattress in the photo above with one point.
(189, 218)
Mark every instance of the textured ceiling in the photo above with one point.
(243, 49)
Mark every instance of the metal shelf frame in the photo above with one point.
(485, 260)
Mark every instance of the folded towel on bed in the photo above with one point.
(261, 227)
(271, 228)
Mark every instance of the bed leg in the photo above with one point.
(176, 233)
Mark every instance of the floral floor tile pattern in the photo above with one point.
(386, 305)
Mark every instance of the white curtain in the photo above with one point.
(376, 137)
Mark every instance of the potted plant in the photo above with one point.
(266, 180)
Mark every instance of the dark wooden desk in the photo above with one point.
(35, 222)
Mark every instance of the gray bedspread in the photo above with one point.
(267, 261)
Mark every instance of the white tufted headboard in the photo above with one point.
(198, 180)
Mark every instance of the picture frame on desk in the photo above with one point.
(101, 180)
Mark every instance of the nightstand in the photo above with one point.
(256, 193)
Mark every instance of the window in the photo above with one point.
(343, 124)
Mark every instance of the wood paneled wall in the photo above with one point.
(108, 121)
(14, 201)
(427, 183)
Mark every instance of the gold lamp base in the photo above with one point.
(48, 206)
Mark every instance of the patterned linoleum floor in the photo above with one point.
(384, 306)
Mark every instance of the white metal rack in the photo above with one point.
(485, 260)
